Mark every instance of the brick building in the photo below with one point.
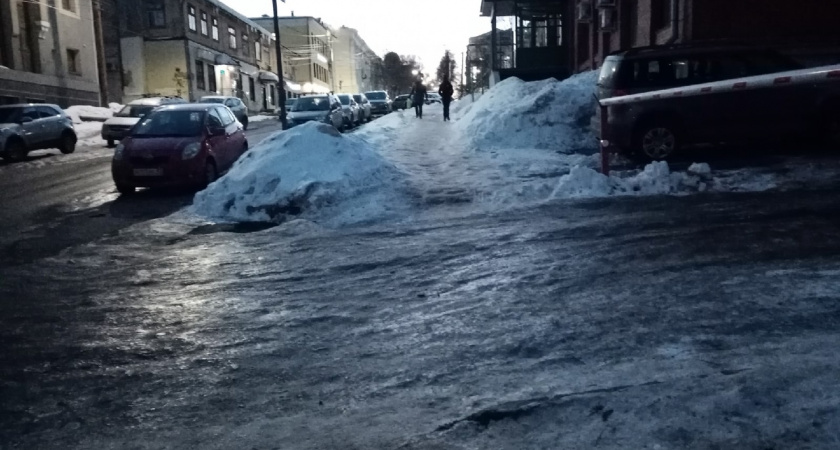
(561, 37)
(48, 52)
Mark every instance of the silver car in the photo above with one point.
(324, 108)
(28, 127)
(351, 110)
(364, 106)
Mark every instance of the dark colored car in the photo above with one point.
(28, 127)
(401, 102)
(380, 103)
(780, 109)
(236, 106)
(178, 145)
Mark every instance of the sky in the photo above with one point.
(425, 28)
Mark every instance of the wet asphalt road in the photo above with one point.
(53, 201)
(701, 322)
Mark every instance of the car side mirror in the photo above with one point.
(216, 131)
(25, 119)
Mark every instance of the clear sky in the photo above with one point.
(424, 28)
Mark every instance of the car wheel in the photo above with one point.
(111, 143)
(125, 189)
(656, 140)
(210, 173)
(16, 150)
(245, 124)
(68, 143)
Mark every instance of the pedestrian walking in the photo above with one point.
(446, 91)
(418, 97)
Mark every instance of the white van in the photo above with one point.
(117, 127)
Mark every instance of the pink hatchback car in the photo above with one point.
(178, 145)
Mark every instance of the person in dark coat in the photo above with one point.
(446, 91)
(418, 97)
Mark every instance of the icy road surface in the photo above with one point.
(511, 299)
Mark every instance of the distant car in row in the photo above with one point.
(402, 102)
(236, 106)
(380, 103)
(28, 127)
(117, 127)
(353, 110)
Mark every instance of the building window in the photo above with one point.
(231, 38)
(211, 78)
(73, 62)
(156, 14)
(204, 28)
(258, 50)
(200, 79)
(246, 46)
(215, 29)
(68, 5)
(191, 19)
(252, 92)
(661, 11)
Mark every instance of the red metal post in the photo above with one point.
(604, 141)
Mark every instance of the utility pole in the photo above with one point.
(281, 88)
(463, 68)
(100, 52)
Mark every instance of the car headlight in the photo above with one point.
(118, 152)
(190, 151)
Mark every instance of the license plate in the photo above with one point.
(148, 172)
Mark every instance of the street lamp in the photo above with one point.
(281, 89)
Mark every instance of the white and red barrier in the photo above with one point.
(817, 75)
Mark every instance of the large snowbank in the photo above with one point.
(311, 171)
(85, 113)
(546, 114)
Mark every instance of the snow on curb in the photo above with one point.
(546, 114)
(311, 171)
(85, 113)
(261, 118)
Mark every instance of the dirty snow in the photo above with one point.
(544, 114)
(311, 171)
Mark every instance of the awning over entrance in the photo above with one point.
(268, 77)
(225, 60)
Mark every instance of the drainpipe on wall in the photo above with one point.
(675, 23)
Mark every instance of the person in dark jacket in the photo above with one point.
(446, 91)
(418, 97)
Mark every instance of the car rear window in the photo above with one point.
(608, 72)
(170, 124)
(135, 111)
(312, 104)
(375, 95)
(345, 99)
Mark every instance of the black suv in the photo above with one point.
(654, 68)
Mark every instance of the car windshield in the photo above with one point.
(376, 95)
(212, 100)
(10, 115)
(312, 104)
(170, 124)
(358, 98)
(135, 111)
(345, 99)
(290, 103)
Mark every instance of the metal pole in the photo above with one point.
(463, 68)
(281, 88)
(100, 53)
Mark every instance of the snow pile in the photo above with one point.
(89, 133)
(546, 114)
(311, 171)
(655, 179)
(261, 118)
(463, 105)
(85, 113)
(382, 132)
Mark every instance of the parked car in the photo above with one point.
(324, 108)
(402, 102)
(433, 97)
(28, 127)
(364, 105)
(236, 106)
(380, 102)
(781, 109)
(178, 145)
(118, 126)
(350, 109)
(290, 103)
